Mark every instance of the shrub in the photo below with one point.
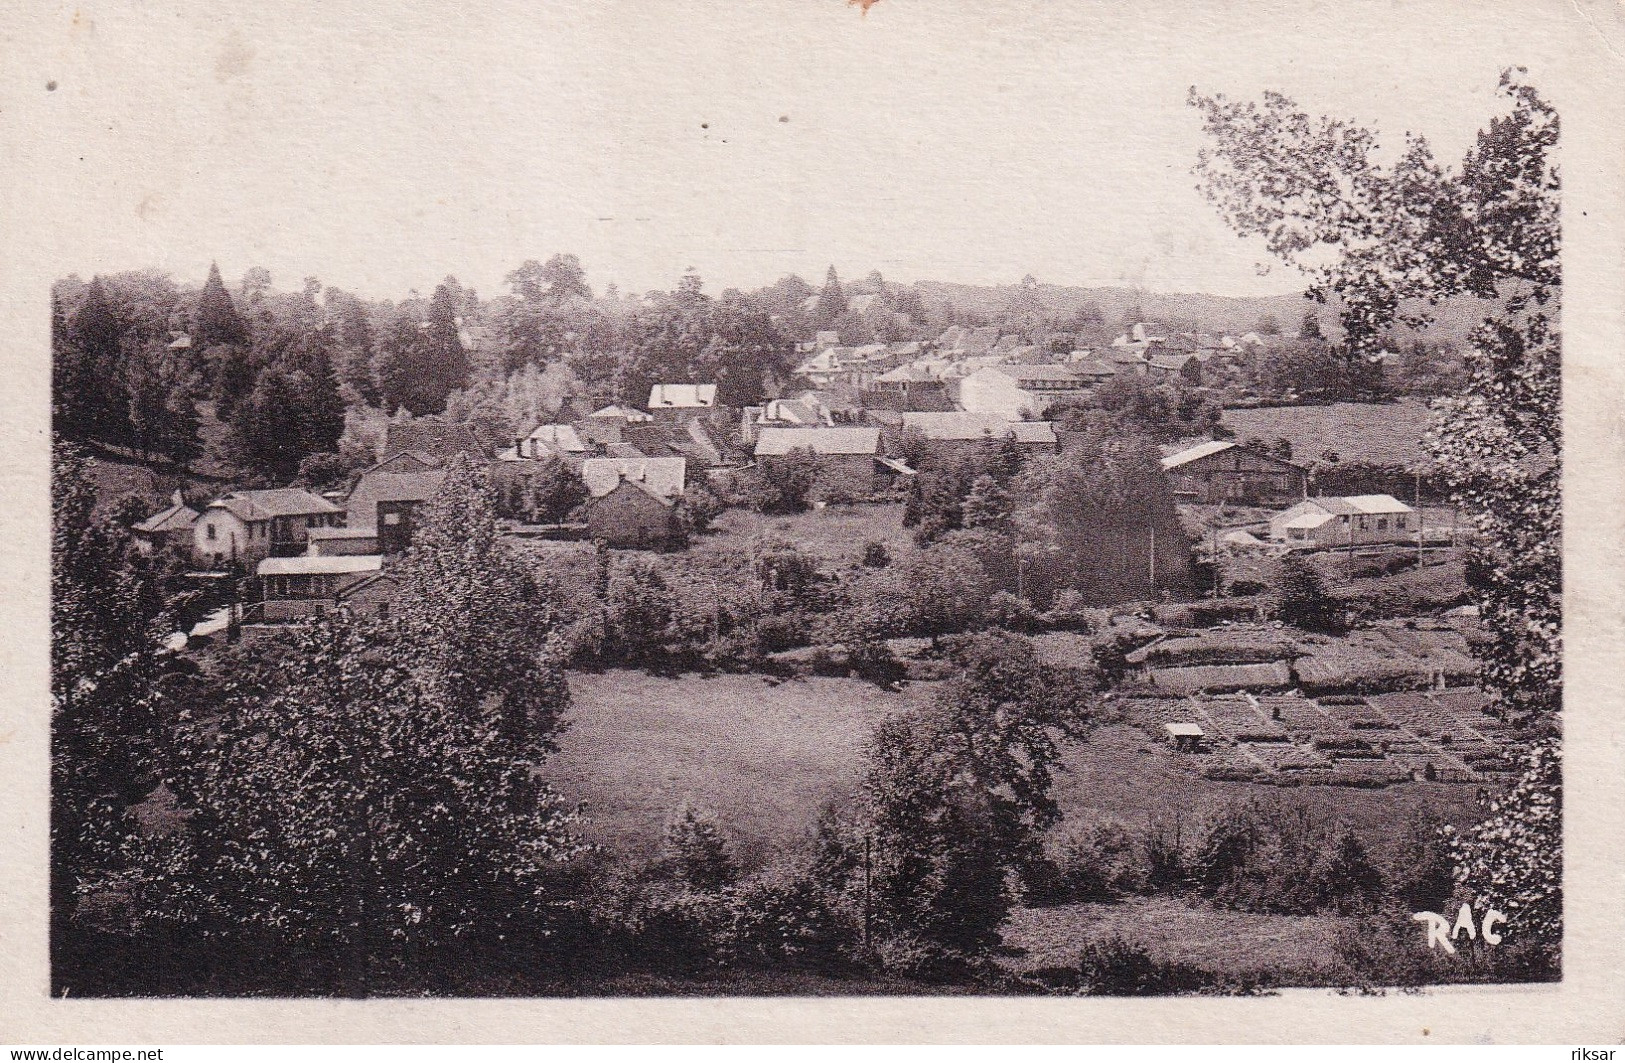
(1118, 968)
(1101, 862)
(781, 567)
(875, 554)
(1162, 852)
(784, 484)
(778, 632)
(783, 915)
(1068, 611)
(656, 922)
(698, 508)
(873, 661)
(1008, 611)
(1273, 858)
(835, 491)
(1304, 601)
(695, 853)
(638, 612)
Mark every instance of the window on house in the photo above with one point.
(392, 519)
(1399, 522)
(1382, 523)
(383, 610)
(1362, 523)
(209, 532)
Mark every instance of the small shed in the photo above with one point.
(1186, 737)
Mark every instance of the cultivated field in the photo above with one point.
(1120, 773)
(1379, 433)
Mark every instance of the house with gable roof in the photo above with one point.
(548, 441)
(1222, 470)
(681, 402)
(957, 430)
(1165, 364)
(1353, 520)
(849, 456)
(436, 437)
(908, 387)
(632, 502)
(169, 527)
(1018, 392)
(385, 500)
(244, 527)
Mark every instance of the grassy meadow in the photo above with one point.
(1382, 433)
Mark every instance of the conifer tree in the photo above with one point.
(265, 435)
(92, 384)
(832, 301)
(217, 322)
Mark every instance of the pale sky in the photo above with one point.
(380, 147)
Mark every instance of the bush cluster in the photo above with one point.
(1253, 856)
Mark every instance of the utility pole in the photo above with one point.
(1421, 523)
(1217, 576)
(867, 841)
(1153, 556)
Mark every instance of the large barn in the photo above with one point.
(1222, 470)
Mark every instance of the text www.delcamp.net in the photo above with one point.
(87, 1054)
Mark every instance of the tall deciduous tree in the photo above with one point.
(486, 636)
(1413, 232)
(691, 338)
(1512, 861)
(162, 409)
(103, 736)
(1099, 518)
(957, 794)
(340, 803)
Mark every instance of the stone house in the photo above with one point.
(244, 527)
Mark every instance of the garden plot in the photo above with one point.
(1356, 714)
(1300, 717)
(1239, 719)
(1349, 772)
(1232, 645)
(1284, 756)
(1363, 660)
(1223, 677)
(1444, 768)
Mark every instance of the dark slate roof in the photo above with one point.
(177, 517)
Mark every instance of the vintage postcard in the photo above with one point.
(825, 521)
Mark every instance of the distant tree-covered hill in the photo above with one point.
(1209, 313)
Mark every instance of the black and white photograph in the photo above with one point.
(818, 500)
